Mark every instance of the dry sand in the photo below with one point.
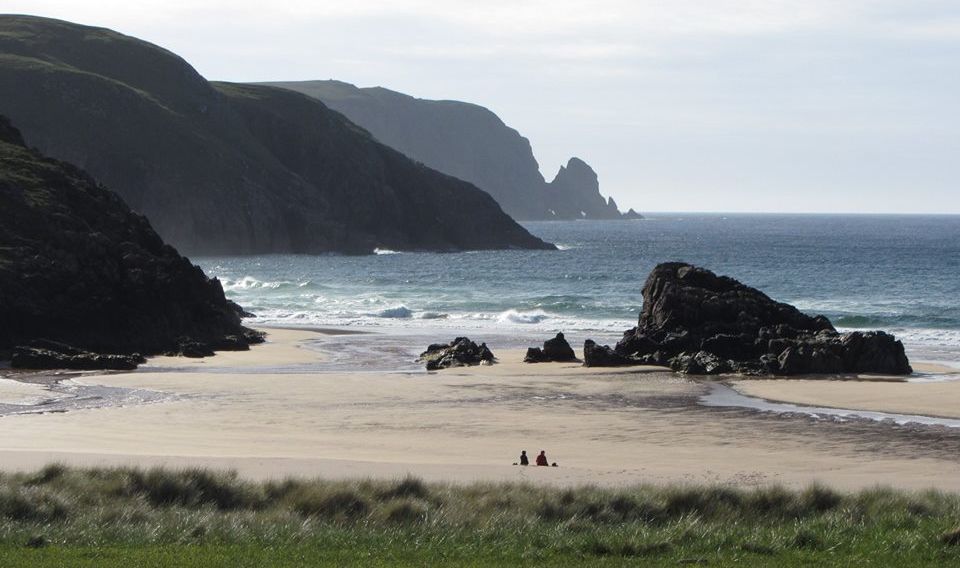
(607, 427)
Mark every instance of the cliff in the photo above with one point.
(469, 142)
(220, 168)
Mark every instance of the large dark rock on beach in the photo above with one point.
(82, 276)
(461, 352)
(221, 168)
(697, 322)
(554, 350)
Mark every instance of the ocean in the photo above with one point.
(891, 272)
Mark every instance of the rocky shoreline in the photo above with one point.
(85, 283)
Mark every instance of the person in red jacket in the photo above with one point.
(542, 458)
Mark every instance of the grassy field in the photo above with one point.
(127, 517)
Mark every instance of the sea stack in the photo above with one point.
(697, 322)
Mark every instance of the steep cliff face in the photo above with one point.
(384, 198)
(200, 161)
(77, 266)
(469, 142)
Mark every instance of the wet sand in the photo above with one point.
(610, 427)
(940, 399)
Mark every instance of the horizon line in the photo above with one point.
(846, 213)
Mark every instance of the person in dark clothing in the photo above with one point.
(542, 458)
(523, 458)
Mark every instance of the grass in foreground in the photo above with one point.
(124, 517)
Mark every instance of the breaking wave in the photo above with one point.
(513, 316)
(398, 312)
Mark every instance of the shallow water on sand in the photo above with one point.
(721, 395)
(36, 393)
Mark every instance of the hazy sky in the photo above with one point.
(764, 105)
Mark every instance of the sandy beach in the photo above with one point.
(609, 427)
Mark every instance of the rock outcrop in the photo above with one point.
(554, 350)
(461, 352)
(220, 168)
(82, 276)
(595, 355)
(697, 322)
(472, 143)
(60, 356)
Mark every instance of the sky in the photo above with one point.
(714, 105)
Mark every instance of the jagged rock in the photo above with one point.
(556, 349)
(460, 352)
(700, 363)
(535, 355)
(697, 322)
(239, 310)
(603, 356)
(575, 194)
(81, 275)
(192, 349)
(27, 357)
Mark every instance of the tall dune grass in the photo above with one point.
(60, 508)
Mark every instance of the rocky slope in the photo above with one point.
(79, 268)
(221, 168)
(469, 142)
(697, 322)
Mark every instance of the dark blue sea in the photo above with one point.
(897, 273)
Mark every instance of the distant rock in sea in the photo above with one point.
(220, 168)
(697, 322)
(86, 283)
(472, 143)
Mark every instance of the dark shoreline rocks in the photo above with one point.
(66, 357)
(697, 322)
(554, 350)
(85, 283)
(595, 355)
(461, 352)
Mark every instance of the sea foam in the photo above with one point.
(398, 312)
(513, 316)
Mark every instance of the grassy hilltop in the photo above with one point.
(122, 517)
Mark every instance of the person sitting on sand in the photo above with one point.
(542, 458)
(523, 458)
